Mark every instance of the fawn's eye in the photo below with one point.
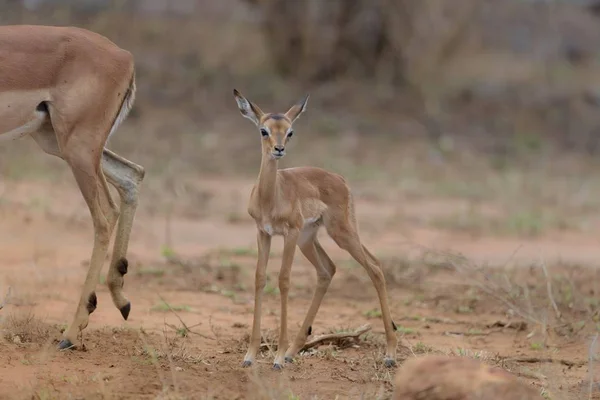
(290, 134)
(264, 132)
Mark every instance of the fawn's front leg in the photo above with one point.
(264, 248)
(289, 247)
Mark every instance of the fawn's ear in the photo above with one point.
(248, 109)
(297, 109)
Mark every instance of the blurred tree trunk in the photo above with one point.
(406, 39)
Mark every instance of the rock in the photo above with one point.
(457, 378)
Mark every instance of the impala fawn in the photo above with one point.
(295, 203)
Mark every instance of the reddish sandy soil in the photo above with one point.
(45, 241)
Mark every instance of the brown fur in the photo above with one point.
(295, 203)
(69, 88)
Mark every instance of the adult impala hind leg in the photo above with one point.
(126, 177)
(345, 234)
(312, 250)
(90, 179)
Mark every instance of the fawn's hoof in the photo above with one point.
(389, 363)
(277, 367)
(65, 344)
(289, 359)
(125, 310)
(246, 363)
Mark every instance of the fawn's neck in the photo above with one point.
(267, 180)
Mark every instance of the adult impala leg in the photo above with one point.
(126, 177)
(312, 250)
(260, 280)
(104, 212)
(289, 247)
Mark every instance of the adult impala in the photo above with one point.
(69, 89)
(295, 203)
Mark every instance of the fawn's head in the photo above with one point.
(275, 129)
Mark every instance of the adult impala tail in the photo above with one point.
(295, 203)
(69, 89)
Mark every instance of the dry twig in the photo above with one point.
(5, 298)
(187, 328)
(336, 337)
(549, 288)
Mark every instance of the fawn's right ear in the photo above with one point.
(248, 109)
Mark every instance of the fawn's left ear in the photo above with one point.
(247, 108)
(294, 112)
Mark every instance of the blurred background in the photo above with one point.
(474, 99)
(464, 125)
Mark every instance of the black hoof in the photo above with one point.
(125, 310)
(246, 363)
(389, 363)
(65, 344)
(289, 360)
(277, 367)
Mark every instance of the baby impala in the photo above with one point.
(296, 203)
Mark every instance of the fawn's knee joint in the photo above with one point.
(284, 284)
(261, 283)
(92, 303)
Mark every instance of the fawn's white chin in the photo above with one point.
(277, 156)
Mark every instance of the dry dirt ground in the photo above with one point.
(198, 266)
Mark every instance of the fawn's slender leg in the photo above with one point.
(312, 250)
(126, 177)
(371, 265)
(94, 189)
(289, 248)
(260, 280)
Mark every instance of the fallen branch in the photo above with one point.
(336, 337)
(533, 360)
(5, 298)
(457, 333)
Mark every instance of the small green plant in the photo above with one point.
(537, 346)
(464, 310)
(405, 330)
(374, 313)
(167, 252)
(270, 288)
(164, 307)
(422, 348)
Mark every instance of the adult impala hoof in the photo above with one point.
(389, 363)
(125, 310)
(65, 344)
(246, 363)
(289, 359)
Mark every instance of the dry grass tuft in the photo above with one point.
(26, 328)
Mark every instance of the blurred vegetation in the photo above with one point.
(504, 78)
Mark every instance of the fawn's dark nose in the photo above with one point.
(279, 148)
